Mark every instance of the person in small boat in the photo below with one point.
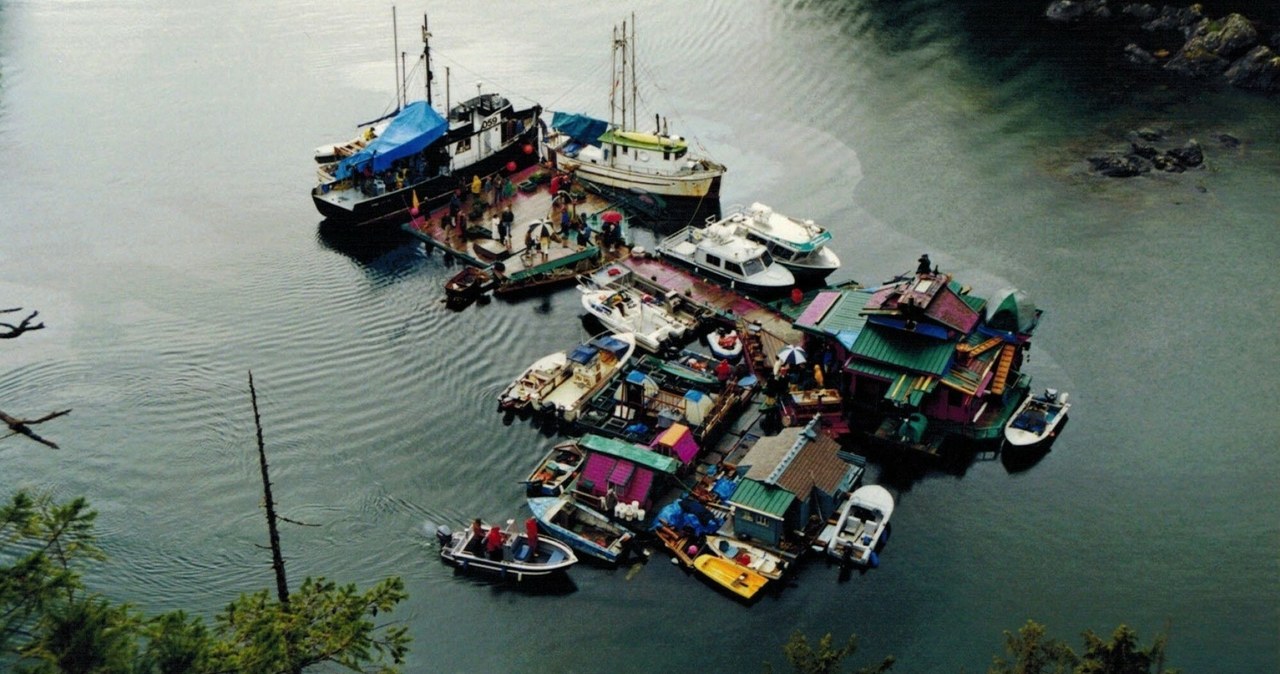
(493, 543)
(476, 544)
(924, 264)
(723, 370)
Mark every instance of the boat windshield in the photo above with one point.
(767, 259)
(754, 266)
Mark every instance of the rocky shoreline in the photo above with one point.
(1184, 41)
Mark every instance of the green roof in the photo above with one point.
(644, 141)
(630, 452)
(903, 350)
(873, 369)
(910, 389)
(763, 498)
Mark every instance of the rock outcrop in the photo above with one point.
(1231, 49)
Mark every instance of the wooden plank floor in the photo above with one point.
(527, 207)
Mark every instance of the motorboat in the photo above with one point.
(528, 389)
(523, 553)
(581, 527)
(861, 526)
(798, 245)
(628, 310)
(720, 250)
(558, 468)
(1037, 419)
(590, 365)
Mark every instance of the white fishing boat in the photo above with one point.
(617, 154)
(627, 309)
(719, 250)
(766, 563)
(582, 528)
(798, 245)
(861, 526)
(590, 366)
(1037, 419)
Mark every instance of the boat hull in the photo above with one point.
(610, 544)
(519, 560)
(694, 185)
(346, 208)
(1036, 422)
(730, 575)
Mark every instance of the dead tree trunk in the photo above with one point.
(12, 331)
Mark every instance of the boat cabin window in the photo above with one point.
(766, 258)
(753, 266)
(680, 153)
(734, 268)
(783, 253)
(714, 260)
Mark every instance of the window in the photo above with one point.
(714, 261)
(734, 268)
(754, 266)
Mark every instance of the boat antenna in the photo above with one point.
(426, 55)
(395, 46)
(447, 80)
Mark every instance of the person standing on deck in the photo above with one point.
(493, 543)
(505, 222)
(476, 188)
(508, 189)
(455, 207)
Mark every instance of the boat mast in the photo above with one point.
(395, 55)
(426, 55)
(632, 42)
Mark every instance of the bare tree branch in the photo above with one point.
(21, 426)
(12, 331)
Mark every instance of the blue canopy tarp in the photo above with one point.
(584, 129)
(416, 127)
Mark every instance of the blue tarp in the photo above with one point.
(688, 514)
(416, 127)
(581, 128)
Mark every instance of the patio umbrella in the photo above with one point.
(791, 355)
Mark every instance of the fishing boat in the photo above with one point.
(677, 543)
(725, 344)
(590, 366)
(798, 245)
(419, 154)
(768, 564)
(1037, 419)
(556, 470)
(582, 528)
(467, 284)
(861, 526)
(730, 575)
(721, 251)
(617, 154)
(524, 553)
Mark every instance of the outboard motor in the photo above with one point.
(444, 535)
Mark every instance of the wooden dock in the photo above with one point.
(523, 258)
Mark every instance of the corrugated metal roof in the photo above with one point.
(841, 311)
(633, 453)
(816, 465)
(874, 369)
(904, 350)
(762, 498)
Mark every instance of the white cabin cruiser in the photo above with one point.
(798, 245)
(721, 250)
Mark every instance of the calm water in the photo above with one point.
(153, 207)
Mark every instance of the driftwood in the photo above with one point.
(22, 426)
(11, 331)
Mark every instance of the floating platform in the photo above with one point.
(521, 263)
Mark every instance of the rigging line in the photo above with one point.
(588, 77)
(510, 91)
(654, 82)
